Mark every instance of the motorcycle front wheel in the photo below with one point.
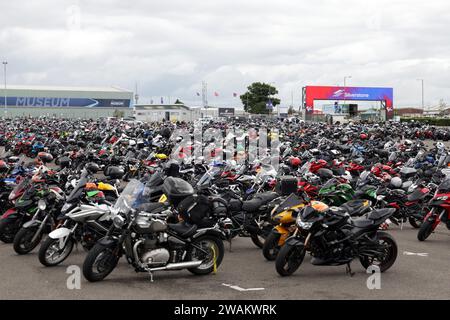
(99, 263)
(8, 229)
(50, 253)
(425, 230)
(289, 259)
(22, 240)
(211, 259)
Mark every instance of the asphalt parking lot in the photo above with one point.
(420, 272)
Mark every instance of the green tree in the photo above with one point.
(257, 96)
(291, 110)
(118, 113)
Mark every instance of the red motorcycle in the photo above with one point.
(440, 211)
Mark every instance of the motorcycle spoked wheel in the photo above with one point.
(289, 259)
(8, 230)
(22, 240)
(50, 254)
(99, 263)
(214, 247)
(390, 253)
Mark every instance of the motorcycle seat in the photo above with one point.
(380, 213)
(184, 229)
(372, 218)
(356, 207)
(258, 201)
(235, 205)
(415, 196)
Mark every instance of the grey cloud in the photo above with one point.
(169, 47)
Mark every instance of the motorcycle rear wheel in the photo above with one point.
(271, 248)
(414, 222)
(390, 254)
(289, 259)
(99, 263)
(208, 265)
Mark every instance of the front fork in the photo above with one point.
(435, 218)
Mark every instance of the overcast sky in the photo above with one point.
(169, 47)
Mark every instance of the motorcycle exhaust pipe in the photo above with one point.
(179, 265)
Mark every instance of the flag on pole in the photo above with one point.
(216, 94)
(269, 105)
(198, 94)
(234, 94)
(162, 100)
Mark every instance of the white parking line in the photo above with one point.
(241, 289)
(420, 254)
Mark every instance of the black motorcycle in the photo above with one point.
(333, 238)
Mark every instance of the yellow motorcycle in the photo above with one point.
(283, 215)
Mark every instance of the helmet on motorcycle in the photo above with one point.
(45, 157)
(295, 161)
(81, 144)
(440, 145)
(363, 136)
(92, 167)
(396, 182)
(3, 166)
(319, 206)
(161, 156)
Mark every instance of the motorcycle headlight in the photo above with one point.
(66, 207)
(42, 205)
(118, 221)
(303, 225)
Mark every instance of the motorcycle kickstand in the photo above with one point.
(348, 270)
(151, 275)
(229, 248)
(401, 226)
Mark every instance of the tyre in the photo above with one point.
(415, 222)
(289, 259)
(270, 248)
(260, 239)
(390, 253)
(50, 254)
(99, 263)
(425, 230)
(211, 260)
(22, 240)
(8, 230)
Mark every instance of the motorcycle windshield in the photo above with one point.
(77, 191)
(129, 196)
(291, 201)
